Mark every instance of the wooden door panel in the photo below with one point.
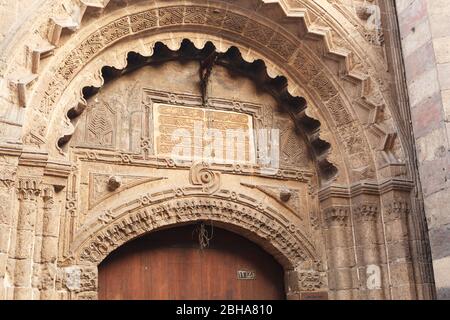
(170, 265)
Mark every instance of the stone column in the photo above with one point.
(371, 260)
(396, 211)
(7, 177)
(28, 191)
(339, 246)
(49, 248)
(291, 285)
(37, 247)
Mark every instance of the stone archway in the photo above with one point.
(361, 219)
(129, 219)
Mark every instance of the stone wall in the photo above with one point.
(13, 13)
(425, 36)
(366, 217)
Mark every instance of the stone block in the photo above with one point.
(37, 248)
(377, 294)
(367, 233)
(3, 263)
(48, 294)
(401, 273)
(416, 39)
(411, 16)
(423, 87)
(405, 292)
(396, 231)
(428, 115)
(2, 289)
(435, 175)
(4, 238)
(345, 294)
(5, 210)
(23, 293)
(439, 17)
(439, 240)
(442, 49)
(49, 249)
(24, 243)
(51, 224)
(437, 206)
(370, 255)
(399, 251)
(446, 104)
(341, 257)
(344, 278)
(444, 75)
(339, 237)
(22, 273)
(430, 146)
(420, 61)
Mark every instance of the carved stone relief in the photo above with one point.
(99, 126)
(235, 23)
(288, 198)
(101, 185)
(114, 123)
(294, 152)
(108, 124)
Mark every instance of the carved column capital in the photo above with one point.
(7, 176)
(366, 211)
(397, 209)
(28, 188)
(310, 280)
(48, 197)
(336, 215)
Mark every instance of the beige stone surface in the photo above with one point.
(79, 128)
(432, 84)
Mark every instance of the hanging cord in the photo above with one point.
(205, 70)
(203, 235)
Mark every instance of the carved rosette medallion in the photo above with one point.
(201, 175)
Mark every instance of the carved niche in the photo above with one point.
(100, 123)
(112, 121)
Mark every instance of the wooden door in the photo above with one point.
(170, 265)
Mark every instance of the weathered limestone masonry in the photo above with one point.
(91, 92)
(425, 38)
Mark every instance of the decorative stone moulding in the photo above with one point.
(91, 247)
